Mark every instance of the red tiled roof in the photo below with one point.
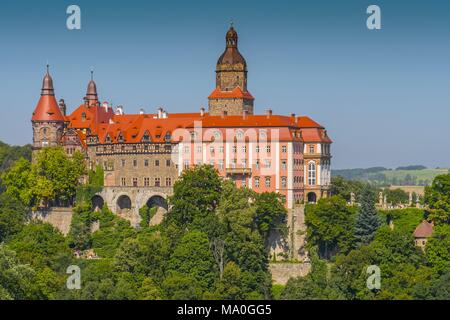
(47, 109)
(236, 93)
(424, 230)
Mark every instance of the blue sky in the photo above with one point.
(384, 95)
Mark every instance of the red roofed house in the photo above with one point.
(143, 154)
(423, 231)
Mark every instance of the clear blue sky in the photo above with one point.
(384, 96)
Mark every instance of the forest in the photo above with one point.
(212, 244)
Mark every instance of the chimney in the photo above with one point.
(202, 111)
(119, 110)
(268, 113)
(164, 114)
(224, 113)
(293, 117)
(245, 114)
(62, 107)
(105, 106)
(142, 111)
(160, 111)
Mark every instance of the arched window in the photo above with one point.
(312, 173)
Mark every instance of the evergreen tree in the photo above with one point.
(367, 221)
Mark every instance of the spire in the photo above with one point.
(47, 108)
(231, 54)
(47, 84)
(231, 37)
(91, 93)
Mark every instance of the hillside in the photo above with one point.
(402, 176)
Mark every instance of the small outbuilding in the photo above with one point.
(423, 231)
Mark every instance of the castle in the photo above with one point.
(143, 154)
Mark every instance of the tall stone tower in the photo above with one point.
(231, 94)
(91, 92)
(47, 120)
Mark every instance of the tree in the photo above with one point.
(12, 216)
(438, 248)
(270, 214)
(53, 178)
(367, 221)
(437, 197)
(196, 195)
(17, 281)
(230, 286)
(193, 257)
(330, 224)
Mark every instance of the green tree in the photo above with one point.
(17, 281)
(270, 214)
(438, 248)
(330, 224)
(196, 195)
(367, 221)
(193, 257)
(12, 216)
(230, 286)
(437, 197)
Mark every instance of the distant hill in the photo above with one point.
(402, 176)
(9, 154)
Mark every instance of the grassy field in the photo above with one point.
(383, 176)
(425, 174)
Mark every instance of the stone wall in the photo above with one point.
(282, 272)
(291, 247)
(60, 218)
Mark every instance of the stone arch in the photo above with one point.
(162, 206)
(123, 203)
(312, 197)
(97, 202)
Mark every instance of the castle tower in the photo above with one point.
(91, 93)
(231, 93)
(47, 120)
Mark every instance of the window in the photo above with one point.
(283, 164)
(168, 163)
(199, 149)
(157, 182)
(168, 182)
(135, 182)
(244, 163)
(186, 164)
(243, 182)
(146, 182)
(156, 163)
(233, 163)
(257, 149)
(217, 135)
(123, 162)
(268, 149)
(83, 116)
(221, 149)
(220, 164)
(186, 149)
(124, 182)
(234, 149)
(283, 149)
(211, 150)
(267, 163)
(239, 135)
(312, 173)
(257, 182)
(283, 182)
(257, 164)
(244, 149)
(311, 148)
(267, 182)
(146, 162)
(134, 163)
